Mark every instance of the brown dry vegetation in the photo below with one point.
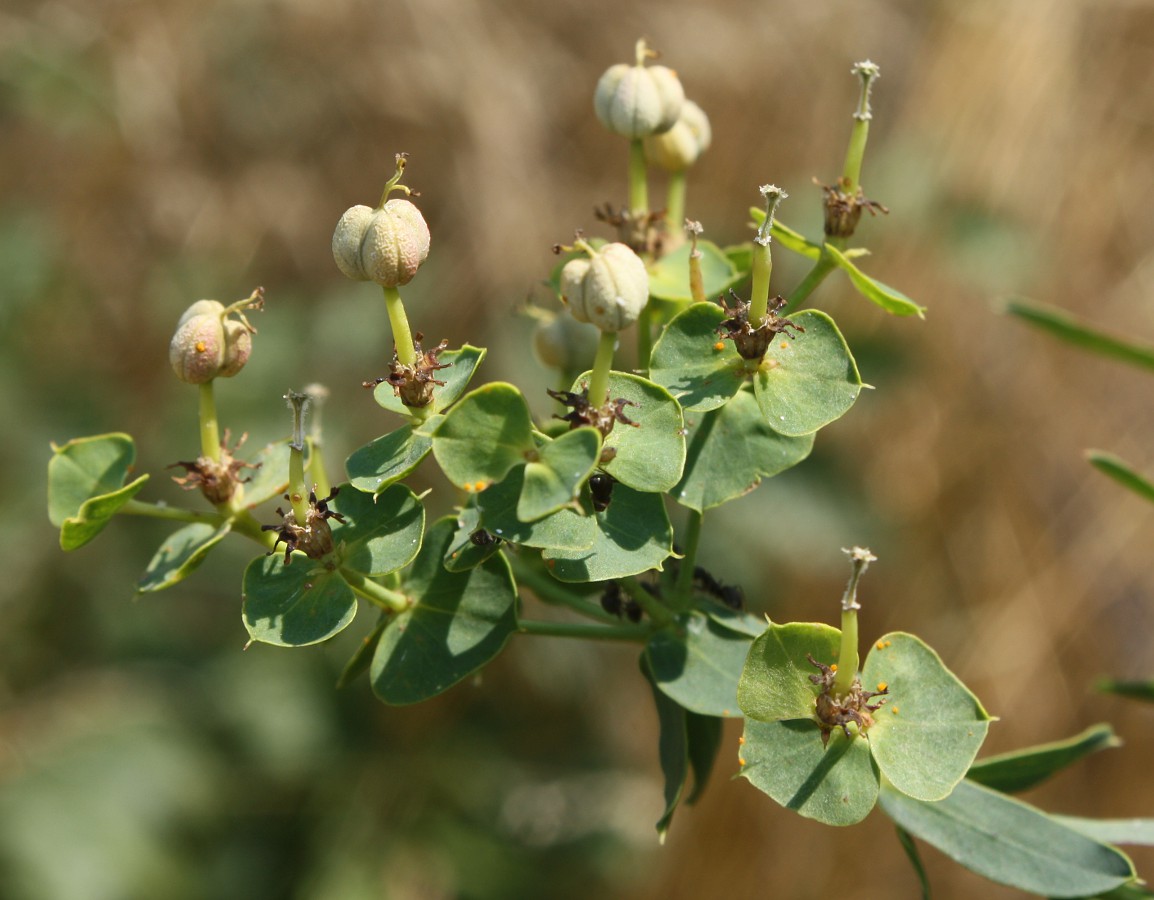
(153, 154)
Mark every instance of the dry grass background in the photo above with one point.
(157, 153)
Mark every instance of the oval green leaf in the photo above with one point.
(561, 530)
(1020, 770)
(484, 436)
(458, 622)
(698, 663)
(388, 459)
(686, 362)
(730, 451)
(382, 533)
(650, 455)
(295, 605)
(1010, 842)
(890, 299)
(809, 380)
(672, 749)
(86, 485)
(669, 276)
(927, 734)
(835, 785)
(463, 552)
(630, 537)
(775, 682)
(180, 554)
(554, 479)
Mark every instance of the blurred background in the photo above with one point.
(154, 154)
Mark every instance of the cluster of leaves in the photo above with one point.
(565, 513)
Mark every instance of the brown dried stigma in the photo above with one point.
(752, 342)
(842, 210)
(414, 384)
(837, 711)
(217, 480)
(315, 538)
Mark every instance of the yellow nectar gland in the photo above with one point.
(880, 645)
(201, 346)
(785, 345)
(882, 686)
(833, 667)
(741, 740)
(889, 643)
(740, 761)
(720, 345)
(894, 710)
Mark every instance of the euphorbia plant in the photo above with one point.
(728, 390)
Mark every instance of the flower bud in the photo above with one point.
(208, 344)
(385, 245)
(608, 290)
(564, 343)
(679, 147)
(197, 349)
(635, 101)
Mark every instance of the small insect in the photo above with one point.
(731, 596)
(483, 538)
(601, 490)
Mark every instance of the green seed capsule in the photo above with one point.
(197, 350)
(681, 146)
(609, 289)
(385, 245)
(638, 101)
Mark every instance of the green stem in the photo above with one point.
(821, 268)
(209, 428)
(375, 593)
(317, 473)
(173, 513)
(585, 631)
(847, 661)
(684, 588)
(855, 152)
(602, 365)
(759, 293)
(244, 522)
(696, 280)
(654, 608)
(402, 335)
(675, 204)
(549, 590)
(638, 183)
(297, 490)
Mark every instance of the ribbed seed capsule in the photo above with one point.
(637, 101)
(609, 289)
(385, 245)
(681, 146)
(197, 349)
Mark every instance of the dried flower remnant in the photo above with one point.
(834, 710)
(217, 480)
(415, 383)
(752, 343)
(315, 537)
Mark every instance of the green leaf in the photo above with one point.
(180, 554)
(698, 663)
(835, 784)
(463, 552)
(703, 734)
(462, 364)
(86, 485)
(730, 451)
(1135, 690)
(1022, 769)
(809, 380)
(561, 530)
(1062, 325)
(669, 276)
(484, 436)
(387, 459)
(554, 479)
(650, 454)
(907, 841)
(1127, 832)
(673, 751)
(927, 734)
(686, 362)
(459, 621)
(775, 682)
(295, 605)
(1009, 842)
(630, 537)
(736, 619)
(271, 477)
(792, 240)
(1121, 472)
(382, 534)
(890, 299)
